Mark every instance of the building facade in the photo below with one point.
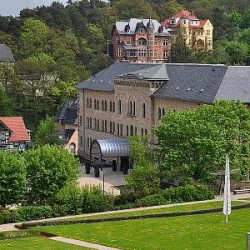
(197, 34)
(141, 40)
(130, 98)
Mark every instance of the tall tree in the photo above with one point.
(193, 143)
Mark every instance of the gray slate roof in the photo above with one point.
(136, 23)
(236, 84)
(191, 82)
(6, 54)
(104, 81)
(158, 72)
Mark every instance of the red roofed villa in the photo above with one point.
(198, 34)
(13, 133)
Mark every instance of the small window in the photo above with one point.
(110, 127)
(110, 106)
(90, 102)
(118, 129)
(119, 107)
(146, 132)
(121, 129)
(131, 130)
(127, 130)
(142, 131)
(105, 105)
(159, 113)
(144, 110)
(105, 126)
(90, 122)
(102, 125)
(95, 106)
(87, 102)
(113, 106)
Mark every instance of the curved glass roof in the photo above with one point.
(112, 147)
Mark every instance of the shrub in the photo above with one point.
(151, 200)
(31, 213)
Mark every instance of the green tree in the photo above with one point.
(49, 169)
(193, 143)
(12, 178)
(238, 52)
(47, 133)
(144, 179)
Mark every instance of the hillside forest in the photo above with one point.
(58, 46)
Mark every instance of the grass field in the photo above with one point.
(175, 208)
(36, 243)
(207, 231)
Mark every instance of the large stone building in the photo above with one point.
(196, 33)
(141, 40)
(130, 98)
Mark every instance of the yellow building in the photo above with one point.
(197, 34)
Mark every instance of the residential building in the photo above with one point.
(141, 40)
(13, 134)
(67, 120)
(130, 98)
(196, 33)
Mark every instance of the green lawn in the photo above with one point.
(207, 231)
(36, 243)
(176, 208)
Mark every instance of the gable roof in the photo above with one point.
(104, 80)
(235, 85)
(6, 54)
(158, 72)
(17, 127)
(192, 82)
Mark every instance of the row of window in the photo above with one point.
(143, 41)
(143, 53)
(118, 129)
(104, 105)
(131, 107)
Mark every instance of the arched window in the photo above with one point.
(119, 107)
(163, 112)
(110, 106)
(105, 125)
(95, 127)
(87, 102)
(135, 130)
(144, 110)
(97, 104)
(103, 108)
(130, 108)
(105, 105)
(102, 125)
(131, 130)
(121, 130)
(133, 108)
(90, 122)
(141, 41)
(97, 124)
(90, 102)
(159, 113)
(118, 129)
(110, 127)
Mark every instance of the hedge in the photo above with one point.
(18, 234)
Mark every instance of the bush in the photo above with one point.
(151, 200)
(31, 213)
(188, 193)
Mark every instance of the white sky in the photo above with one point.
(13, 7)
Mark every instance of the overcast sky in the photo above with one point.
(13, 7)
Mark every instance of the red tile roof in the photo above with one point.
(186, 13)
(17, 128)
